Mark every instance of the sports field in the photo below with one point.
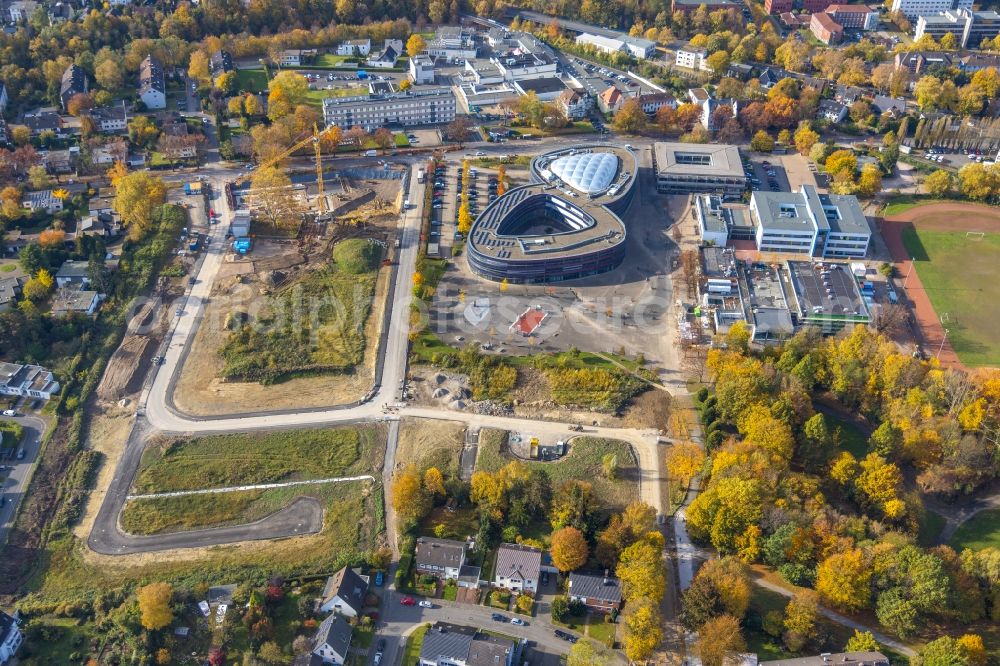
(955, 250)
(960, 276)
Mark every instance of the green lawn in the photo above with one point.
(252, 80)
(63, 636)
(217, 461)
(415, 641)
(967, 299)
(601, 631)
(981, 531)
(8, 268)
(851, 439)
(458, 524)
(330, 60)
(583, 462)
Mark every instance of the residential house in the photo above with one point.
(219, 63)
(10, 637)
(109, 153)
(74, 82)
(10, 291)
(296, 57)
(832, 111)
(42, 200)
(32, 381)
(103, 225)
(101, 204)
(826, 659)
(73, 273)
(60, 12)
(60, 161)
(41, 120)
(21, 10)
(611, 100)
(345, 593)
(448, 644)
(69, 301)
(384, 59)
(653, 102)
(443, 558)
(599, 592)
(709, 105)
(918, 61)
(152, 84)
(974, 62)
(109, 119)
(896, 107)
(355, 47)
(517, 568)
(825, 28)
(770, 76)
(795, 21)
(333, 640)
(740, 71)
(575, 105)
(421, 69)
(691, 57)
(848, 94)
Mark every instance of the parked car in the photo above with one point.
(498, 617)
(518, 621)
(379, 578)
(425, 604)
(407, 601)
(9, 412)
(377, 659)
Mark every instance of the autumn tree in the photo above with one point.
(801, 614)
(79, 103)
(409, 497)
(587, 652)
(843, 580)
(805, 138)
(434, 481)
(109, 75)
(623, 530)
(274, 200)
(870, 180)
(762, 142)
(684, 460)
(569, 549)
(630, 117)
(459, 129)
(719, 639)
(137, 195)
(10, 202)
(939, 183)
(464, 219)
(842, 161)
(38, 177)
(198, 66)
(415, 45)
(154, 605)
(640, 568)
(52, 238)
(641, 628)
(38, 287)
(862, 641)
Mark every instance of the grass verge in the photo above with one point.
(980, 531)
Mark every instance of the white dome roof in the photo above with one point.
(586, 172)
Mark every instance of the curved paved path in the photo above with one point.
(303, 516)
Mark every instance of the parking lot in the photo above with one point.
(767, 175)
(447, 199)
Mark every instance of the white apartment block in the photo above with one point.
(691, 57)
(806, 222)
(915, 8)
(413, 107)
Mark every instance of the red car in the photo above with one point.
(407, 601)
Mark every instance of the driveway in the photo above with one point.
(17, 478)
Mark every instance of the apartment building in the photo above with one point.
(854, 17)
(912, 9)
(825, 29)
(152, 84)
(775, 7)
(969, 27)
(413, 107)
(691, 57)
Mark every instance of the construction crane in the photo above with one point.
(316, 139)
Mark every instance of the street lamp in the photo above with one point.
(941, 346)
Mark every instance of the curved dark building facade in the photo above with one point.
(564, 225)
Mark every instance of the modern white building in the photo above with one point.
(637, 47)
(691, 57)
(682, 168)
(968, 27)
(810, 223)
(912, 9)
(429, 106)
(31, 381)
(421, 70)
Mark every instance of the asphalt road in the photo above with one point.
(15, 483)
